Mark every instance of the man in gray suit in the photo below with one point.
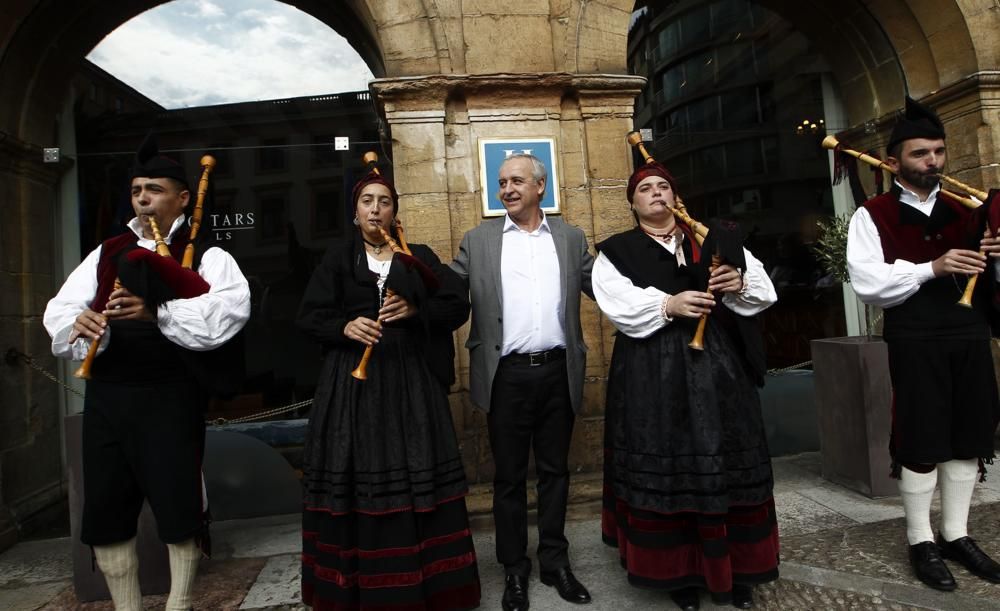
(525, 273)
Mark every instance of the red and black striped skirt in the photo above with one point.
(405, 560)
(673, 551)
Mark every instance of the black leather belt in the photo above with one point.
(534, 359)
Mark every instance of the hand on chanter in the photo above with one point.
(396, 308)
(123, 305)
(725, 279)
(364, 330)
(959, 261)
(689, 304)
(88, 324)
(990, 244)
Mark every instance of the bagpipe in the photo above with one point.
(139, 267)
(401, 251)
(723, 240)
(837, 147)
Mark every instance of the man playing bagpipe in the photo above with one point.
(156, 324)
(911, 251)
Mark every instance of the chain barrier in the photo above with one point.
(772, 372)
(13, 356)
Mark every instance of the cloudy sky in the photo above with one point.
(200, 52)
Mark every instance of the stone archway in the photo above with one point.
(42, 44)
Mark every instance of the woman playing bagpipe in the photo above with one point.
(687, 476)
(148, 323)
(384, 521)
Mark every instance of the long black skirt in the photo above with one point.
(385, 523)
(688, 484)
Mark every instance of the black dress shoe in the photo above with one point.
(925, 558)
(742, 596)
(515, 593)
(965, 551)
(566, 584)
(687, 599)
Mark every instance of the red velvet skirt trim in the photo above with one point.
(675, 551)
(344, 552)
(388, 580)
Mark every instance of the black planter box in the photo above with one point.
(854, 408)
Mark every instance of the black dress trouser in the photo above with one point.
(530, 408)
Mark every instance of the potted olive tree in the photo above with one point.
(853, 389)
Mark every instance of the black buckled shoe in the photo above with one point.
(925, 558)
(686, 599)
(566, 584)
(742, 596)
(515, 593)
(965, 551)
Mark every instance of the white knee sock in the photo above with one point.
(958, 479)
(184, 559)
(917, 490)
(120, 564)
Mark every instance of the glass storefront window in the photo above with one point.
(668, 41)
(730, 16)
(740, 108)
(695, 29)
(673, 82)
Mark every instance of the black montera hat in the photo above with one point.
(149, 163)
(917, 121)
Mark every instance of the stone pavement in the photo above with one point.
(840, 550)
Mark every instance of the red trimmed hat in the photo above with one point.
(373, 177)
(651, 168)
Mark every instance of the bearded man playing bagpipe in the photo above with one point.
(157, 326)
(911, 252)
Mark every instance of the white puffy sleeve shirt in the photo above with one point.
(637, 312)
(199, 323)
(879, 283)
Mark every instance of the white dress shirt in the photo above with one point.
(532, 294)
(637, 312)
(200, 323)
(887, 284)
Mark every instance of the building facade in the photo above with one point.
(450, 73)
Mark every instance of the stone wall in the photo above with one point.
(30, 433)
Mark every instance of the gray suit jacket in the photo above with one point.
(478, 264)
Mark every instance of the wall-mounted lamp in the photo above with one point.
(810, 127)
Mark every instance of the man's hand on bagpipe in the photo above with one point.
(88, 324)
(123, 305)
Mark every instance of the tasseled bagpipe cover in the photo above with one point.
(725, 239)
